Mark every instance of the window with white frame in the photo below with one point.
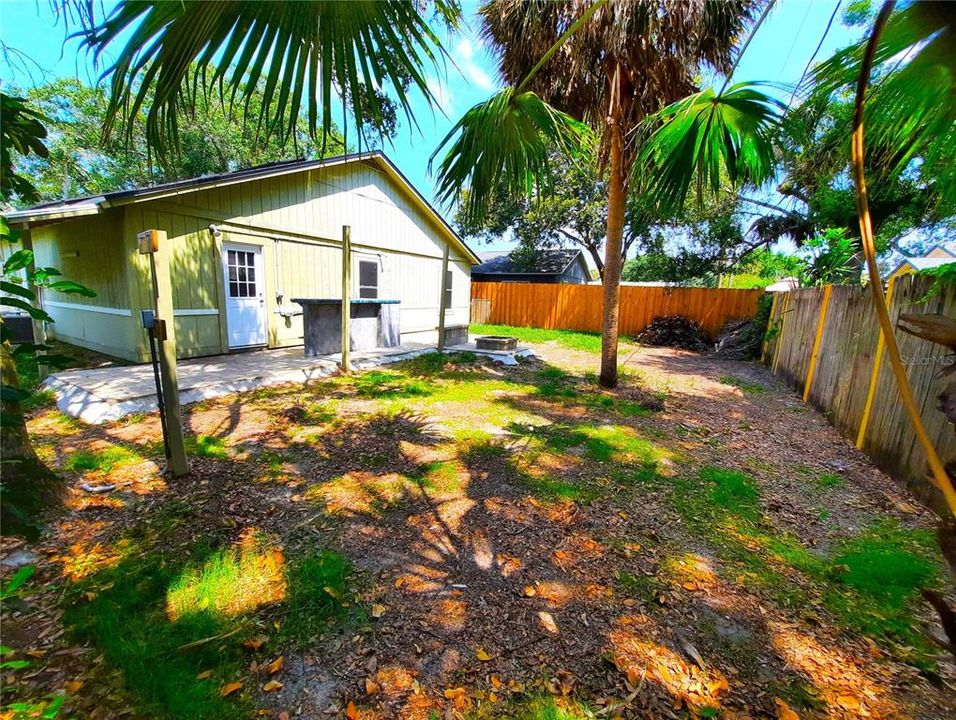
(368, 279)
(448, 277)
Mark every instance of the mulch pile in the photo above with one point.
(674, 331)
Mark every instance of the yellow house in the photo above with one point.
(938, 255)
(244, 244)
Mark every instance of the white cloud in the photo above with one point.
(466, 61)
(443, 96)
(465, 50)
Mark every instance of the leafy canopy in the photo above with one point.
(315, 55)
(710, 137)
(79, 161)
(505, 140)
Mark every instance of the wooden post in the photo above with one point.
(346, 296)
(155, 244)
(874, 376)
(815, 352)
(442, 301)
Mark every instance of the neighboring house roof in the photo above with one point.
(92, 205)
(940, 251)
(922, 263)
(783, 285)
(548, 262)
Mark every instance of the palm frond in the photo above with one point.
(909, 107)
(704, 135)
(22, 131)
(504, 141)
(301, 53)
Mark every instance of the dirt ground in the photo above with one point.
(521, 544)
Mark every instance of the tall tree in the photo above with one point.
(608, 65)
(574, 212)
(813, 151)
(80, 161)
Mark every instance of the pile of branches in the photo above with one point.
(739, 340)
(674, 331)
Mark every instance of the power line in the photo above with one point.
(813, 57)
(796, 37)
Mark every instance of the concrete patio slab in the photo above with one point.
(505, 357)
(105, 394)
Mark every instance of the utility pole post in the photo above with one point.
(443, 300)
(346, 297)
(155, 244)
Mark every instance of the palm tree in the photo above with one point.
(291, 55)
(608, 66)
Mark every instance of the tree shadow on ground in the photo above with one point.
(548, 548)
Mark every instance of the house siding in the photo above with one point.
(295, 218)
(88, 250)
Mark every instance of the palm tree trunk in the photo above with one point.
(14, 441)
(613, 260)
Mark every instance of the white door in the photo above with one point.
(245, 294)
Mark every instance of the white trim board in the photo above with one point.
(125, 312)
(189, 312)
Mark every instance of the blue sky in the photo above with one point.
(779, 52)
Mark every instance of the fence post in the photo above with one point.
(783, 326)
(875, 375)
(827, 290)
(766, 341)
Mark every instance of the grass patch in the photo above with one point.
(870, 583)
(229, 582)
(732, 490)
(434, 363)
(384, 384)
(319, 595)
(547, 487)
(827, 480)
(605, 443)
(575, 340)
(638, 586)
(874, 580)
(104, 460)
(801, 695)
(557, 384)
(743, 385)
(146, 608)
(206, 446)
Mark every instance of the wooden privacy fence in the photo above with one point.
(827, 343)
(578, 307)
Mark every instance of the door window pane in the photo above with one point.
(241, 273)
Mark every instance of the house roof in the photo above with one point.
(923, 263)
(941, 248)
(92, 205)
(549, 262)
